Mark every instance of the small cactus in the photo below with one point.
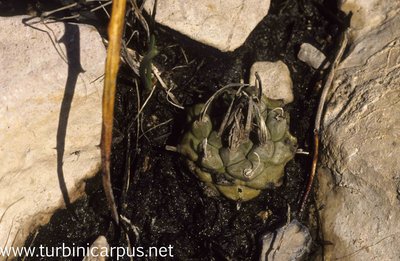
(243, 152)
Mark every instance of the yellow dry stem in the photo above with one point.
(115, 29)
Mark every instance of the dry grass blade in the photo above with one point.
(115, 29)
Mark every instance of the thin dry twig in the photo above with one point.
(139, 15)
(48, 13)
(133, 227)
(12, 204)
(145, 102)
(138, 119)
(155, 127)
(31, 244)
(174, 101)
(102, 6)
(133, 59)
(317, 126)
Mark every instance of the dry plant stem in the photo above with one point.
(174, 100)
(317, 126)
(31, 244)
(133, 59)
(139, 15)
(48, 13)
(101, 6)
(115, 29)
(155, 127)
(145, 102)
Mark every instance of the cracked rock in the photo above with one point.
(360, 164)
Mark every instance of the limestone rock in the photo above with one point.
(50, 119)
(360, 178)
(224, 25)
(290, 242)
(311, 56)
(275, 78)
(369, 14)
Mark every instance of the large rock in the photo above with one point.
(224, 25)
(50, 120)
(368, 14)
(360, 179)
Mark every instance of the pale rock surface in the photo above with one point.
(224, 25)
(368, 14)
(290, 242)
(33, 79)
(275, 78)
(311, 56)
(98, 251)
(359, 182)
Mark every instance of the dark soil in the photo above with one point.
(164, 200)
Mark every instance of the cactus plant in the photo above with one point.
(246, 150)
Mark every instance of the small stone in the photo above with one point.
(311, 56)
(291, 242)
(275, 78)
(264, 215)
(224, 25)
(50, 119)
(98, 250)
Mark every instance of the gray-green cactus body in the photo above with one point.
(239, 172)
